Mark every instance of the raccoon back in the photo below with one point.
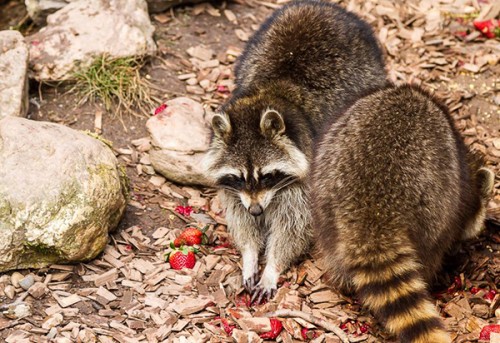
(330, 53)
(391, 189)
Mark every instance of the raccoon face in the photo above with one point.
(254, 159)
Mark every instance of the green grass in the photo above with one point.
(117, 83)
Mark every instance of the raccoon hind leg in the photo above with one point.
(485, 180)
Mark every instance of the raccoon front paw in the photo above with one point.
(261, 292)
(251, 282)
(267, 286)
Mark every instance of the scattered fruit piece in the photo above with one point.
(474, 290)
(487, 330)
(182, 258)
(308, 334)
(222, 89)
(191, 236)
(489, 28)
(179, 241)
(184, 210)
(364, 328)
(490, 295)
(160, 108)
(276, 328)
(227, 327)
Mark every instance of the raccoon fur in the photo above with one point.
(393, 189)
(307, 60)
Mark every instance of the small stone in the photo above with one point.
(27, 282)
(175, 154)
(15, 278)
(10, 291)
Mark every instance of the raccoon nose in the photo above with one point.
(255, 210)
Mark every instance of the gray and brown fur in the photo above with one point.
(308, 60)
(394, 189)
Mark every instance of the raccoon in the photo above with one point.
(393, 190)
(307, 60)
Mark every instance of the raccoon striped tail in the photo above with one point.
(392, 287)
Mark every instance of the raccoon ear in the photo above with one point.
(272, 124)
(221, 125)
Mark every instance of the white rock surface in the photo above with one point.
(180, 136)
(84, 29)
(61, 191)
(13, 69)
(38, 10)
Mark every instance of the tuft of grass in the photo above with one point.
(116, 82)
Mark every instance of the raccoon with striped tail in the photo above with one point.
(393, 190)
(309, 59)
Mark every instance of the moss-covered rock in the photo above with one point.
(61, 192)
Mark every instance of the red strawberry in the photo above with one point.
(487, 330)
(276, 328)
(489, 28)
(193, 236)
(182, 258)
(179, 241)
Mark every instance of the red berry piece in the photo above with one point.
(160, 108)
(276, 328)
(487, 330)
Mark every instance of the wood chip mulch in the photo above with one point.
(130, 294)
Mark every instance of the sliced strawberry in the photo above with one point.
(276, 328)
(184, 210)
(227, 327)
(489, 28)
(490, 295)
(487, 330)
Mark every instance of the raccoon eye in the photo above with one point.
(231, 181)
(270, 180)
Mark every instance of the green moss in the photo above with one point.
(41, 249)
(99, 138)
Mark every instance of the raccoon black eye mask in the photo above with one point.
(266, 181)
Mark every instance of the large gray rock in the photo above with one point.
(14, 80)
(61, 191)
(180, 136)
(38, 10)
(85, 29)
